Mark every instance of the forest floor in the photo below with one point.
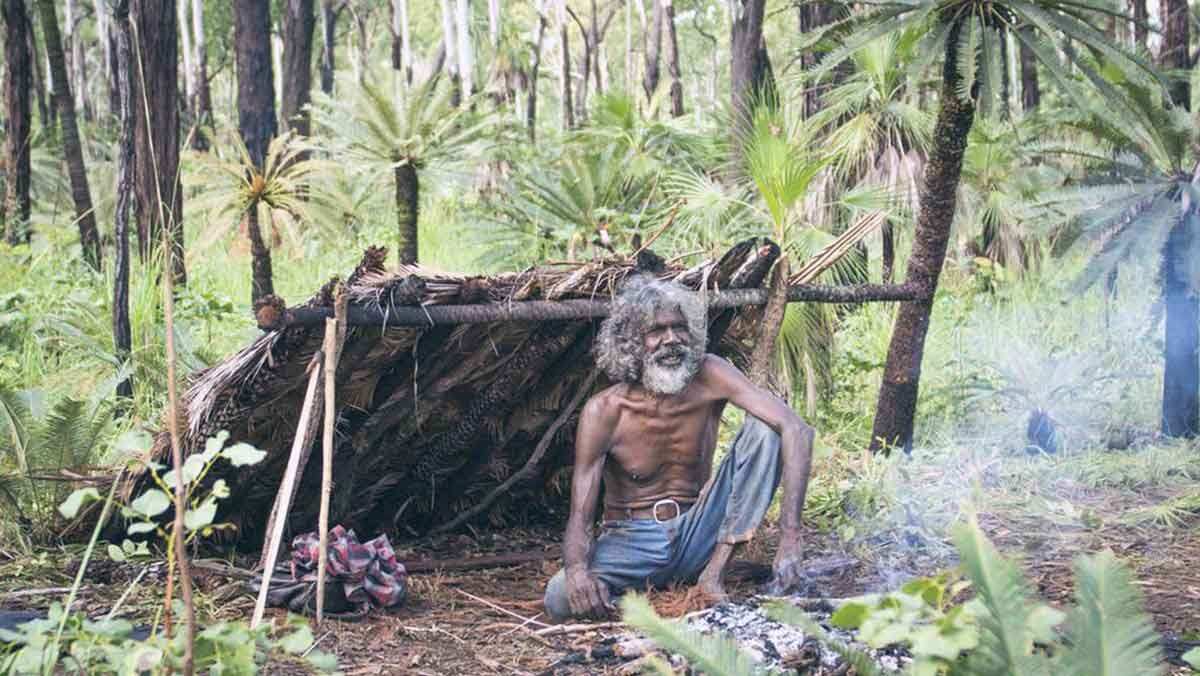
(488, 621)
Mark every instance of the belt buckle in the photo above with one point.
(654, 509)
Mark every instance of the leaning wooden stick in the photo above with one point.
(284, 500)
(331, 339)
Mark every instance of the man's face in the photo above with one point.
(670, 360)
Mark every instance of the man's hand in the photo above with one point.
(587, 595)
(788, 573)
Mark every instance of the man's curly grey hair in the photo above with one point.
(619, 348)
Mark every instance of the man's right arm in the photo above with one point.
(586, 594)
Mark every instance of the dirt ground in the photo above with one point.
(488, 621)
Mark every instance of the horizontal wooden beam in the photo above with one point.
(559, 310)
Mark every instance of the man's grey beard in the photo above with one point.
(662, 379)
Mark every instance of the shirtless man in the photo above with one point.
(650, 439)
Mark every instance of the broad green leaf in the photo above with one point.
(298, 641)
(243, 454)
(193, 466)
(1042, 621)
(134, 442)
(322, 661)
(139, 527)
(195, 519)
(115, 553)
(220, 489)
(214, 445)
(70, 507)
(850, 615)
(151, 503)
(1192, 657)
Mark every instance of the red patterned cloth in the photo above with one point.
(368, 571)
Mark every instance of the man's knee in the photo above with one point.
(555, 599)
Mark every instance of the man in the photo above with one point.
(649, 440)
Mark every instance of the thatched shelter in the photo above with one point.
(431, 419)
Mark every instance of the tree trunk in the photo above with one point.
(202, 105)
(466, 56)
(108, 54)
(408, 205)
(329, 17)
(185, 47)
(17, 83)
(45, 111)
(1031, 94)
(749, 80)
(406, 57)
(123, 69)
(256, 117)
(652, 44)
(814, 15)
(394, 14)
(298, 24)
(897, 404)
(888, 254)
(534, 69)
(155, 92)
(568, 114)
(89, 237)
(1175, 55)
(1181, 373)
(585, 75)
(1141, 19)
(673, 59)
(451, 42)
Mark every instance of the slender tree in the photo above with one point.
(256, 118)
(76, 64)
(396, 14)
(450, 41)
(535, 67)
(673, 58)
(108, 48)
(89, 237)
(17, 84)
(1031, 93)
(814, 15)
(331, 10)
(202, 102)
(124, 69)
(47, 112)
(298, 24)
(652, 45)
(568, 112)
(1141, 19)
(465, 51)
(751, 78)
(1174, 56)
(156, 128)
(183, 7)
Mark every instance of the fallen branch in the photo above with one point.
(494, 606)
(561, 629)
(38, 592)
(559, 310)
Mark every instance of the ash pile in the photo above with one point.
(775, 647)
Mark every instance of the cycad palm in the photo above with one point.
(1150, 210)
(400, 134)
(967, 34)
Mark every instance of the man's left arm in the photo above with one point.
(796, 446)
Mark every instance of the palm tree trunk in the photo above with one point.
(534, 68)
(298, 24)
(1031, 94)
(155, 92)
(408, 203)
(89, 237)
(202, 104)
(1181, 375)
(329, 17)
(256, 117)
(897, 404)
(17, 83)
(123, 69)
(673, 59)
(652, 44)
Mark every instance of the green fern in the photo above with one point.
(1109, 634)
(713, 655)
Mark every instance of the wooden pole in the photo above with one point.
(284, 498)
(331, 340)
(393, 315)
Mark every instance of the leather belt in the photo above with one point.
(663, 510)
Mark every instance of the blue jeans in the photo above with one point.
(636, 553)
